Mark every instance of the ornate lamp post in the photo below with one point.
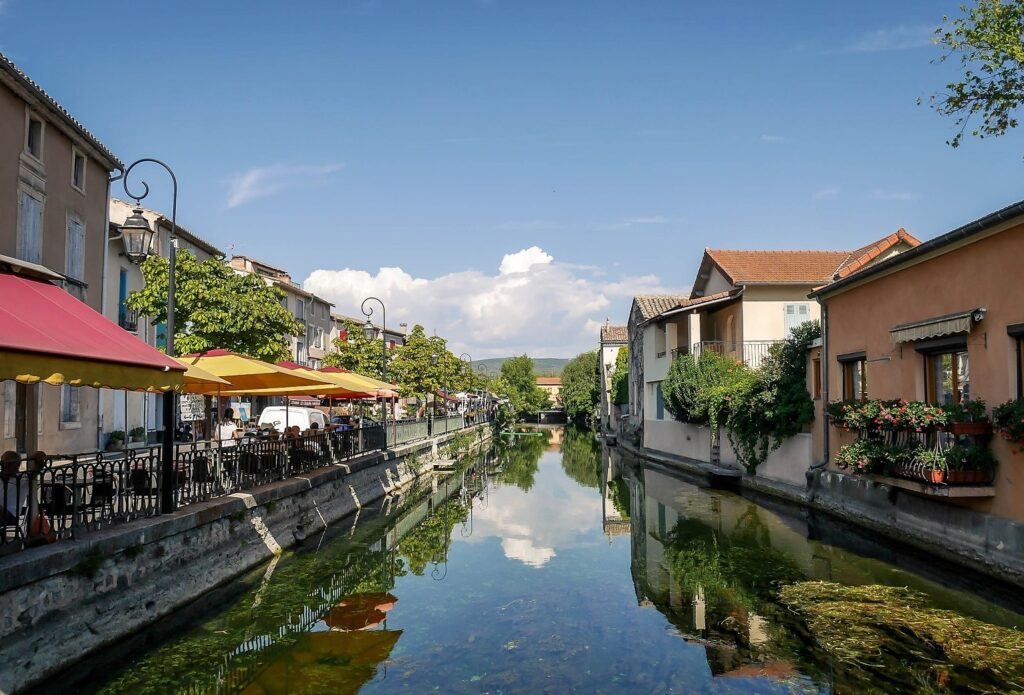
(468, 359)
(138, 239)
(368, 331)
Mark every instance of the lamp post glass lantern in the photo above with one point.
(138, 241)
(368, 331)
(137, 236)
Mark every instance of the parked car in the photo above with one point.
(275, 417)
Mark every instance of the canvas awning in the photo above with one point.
(198, 380)
(959, 323)
(48, 335)
(248, 375)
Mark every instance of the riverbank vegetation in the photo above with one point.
(759, 407)
(581, 387)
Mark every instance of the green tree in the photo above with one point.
(581, 456)
(581, 386)
(215, 307)
(518, 383)
(989, 42)
(620, 378)
(355, 352)
(413, 367)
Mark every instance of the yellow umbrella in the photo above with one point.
(248, 375)
(198, 380)
(358, 381)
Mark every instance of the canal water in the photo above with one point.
(551, 565)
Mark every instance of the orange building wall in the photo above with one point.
(988, 273)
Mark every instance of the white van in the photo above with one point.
(303, 417)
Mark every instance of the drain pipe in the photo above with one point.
(824, 386)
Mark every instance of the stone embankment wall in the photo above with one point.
(60, 602)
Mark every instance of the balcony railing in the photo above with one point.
(128, 319)
(750, 352)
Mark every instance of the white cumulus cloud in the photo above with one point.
(260, 182)
(534, 304)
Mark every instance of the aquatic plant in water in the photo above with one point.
(877, 627)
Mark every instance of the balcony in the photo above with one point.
(128, 319)
(750, 352)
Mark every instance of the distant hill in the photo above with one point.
(543, 366)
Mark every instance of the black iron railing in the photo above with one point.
(48, 498)
(750, 352)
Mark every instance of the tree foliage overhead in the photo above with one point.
(581, 386)
(989, 42)
(216, 307)
(518, 383)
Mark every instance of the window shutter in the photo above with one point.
(76, 249)
(30, 230)
(9, 398)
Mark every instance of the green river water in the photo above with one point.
(551, 565)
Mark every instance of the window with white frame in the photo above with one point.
(78, 170)
(30, 229)
(795, 314)
(34, 130)
(70, 405)
(300, 308)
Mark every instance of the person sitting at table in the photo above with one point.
(227, 427)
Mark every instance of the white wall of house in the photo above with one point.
(716, 283)
(609, 355)
(764, 310)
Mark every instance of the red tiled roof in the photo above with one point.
(651, 305)
(867, 254)
(614, 334)
(777, 267)
(549, 381)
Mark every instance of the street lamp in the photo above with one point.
(138, 244)
(468, 359)
(368, 331)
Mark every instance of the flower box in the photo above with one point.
(971, 429)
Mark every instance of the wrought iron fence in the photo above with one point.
(750, 352)
(48, 498)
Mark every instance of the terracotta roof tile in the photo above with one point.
(777, 267)
(549, 381)
(653, 304)
(614, 334)
(867, 254)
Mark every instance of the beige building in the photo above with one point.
(122, 410)
(54, 186)
(312, 311)
(551, 385)
(613, 339)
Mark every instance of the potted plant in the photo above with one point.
(137, 434)
(933, 464)
(969, 418)
(115, 440)
(1008, 419)
(956, 465)
(981, 464)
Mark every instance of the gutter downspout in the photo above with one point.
(103, 298)
(824, 386)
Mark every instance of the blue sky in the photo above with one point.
(619, 138)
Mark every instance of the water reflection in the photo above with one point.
(570, 569)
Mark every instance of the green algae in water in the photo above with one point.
(871, 626)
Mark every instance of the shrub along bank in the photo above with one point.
(759, 408)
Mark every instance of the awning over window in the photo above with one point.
(48, 335)
(951, 324)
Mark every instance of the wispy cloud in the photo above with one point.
(638, 221)
(260, 182)
(774, 138)
(826, 193)
(879, 194)
(899, 38)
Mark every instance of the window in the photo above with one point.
(70, 405)
(659, 401)
(816, 377)
(947, 377)
(660, 340)
(855, 376)
(34, 137)
(795, 314)
(300, 352)
(30, 229)
(122, 295)
(75, 266)
(8, 390)
(78, 170)
(1016, 333)
(300, 308)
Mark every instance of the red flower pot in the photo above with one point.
(955, 477)
(936, 476)
(971, 429)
